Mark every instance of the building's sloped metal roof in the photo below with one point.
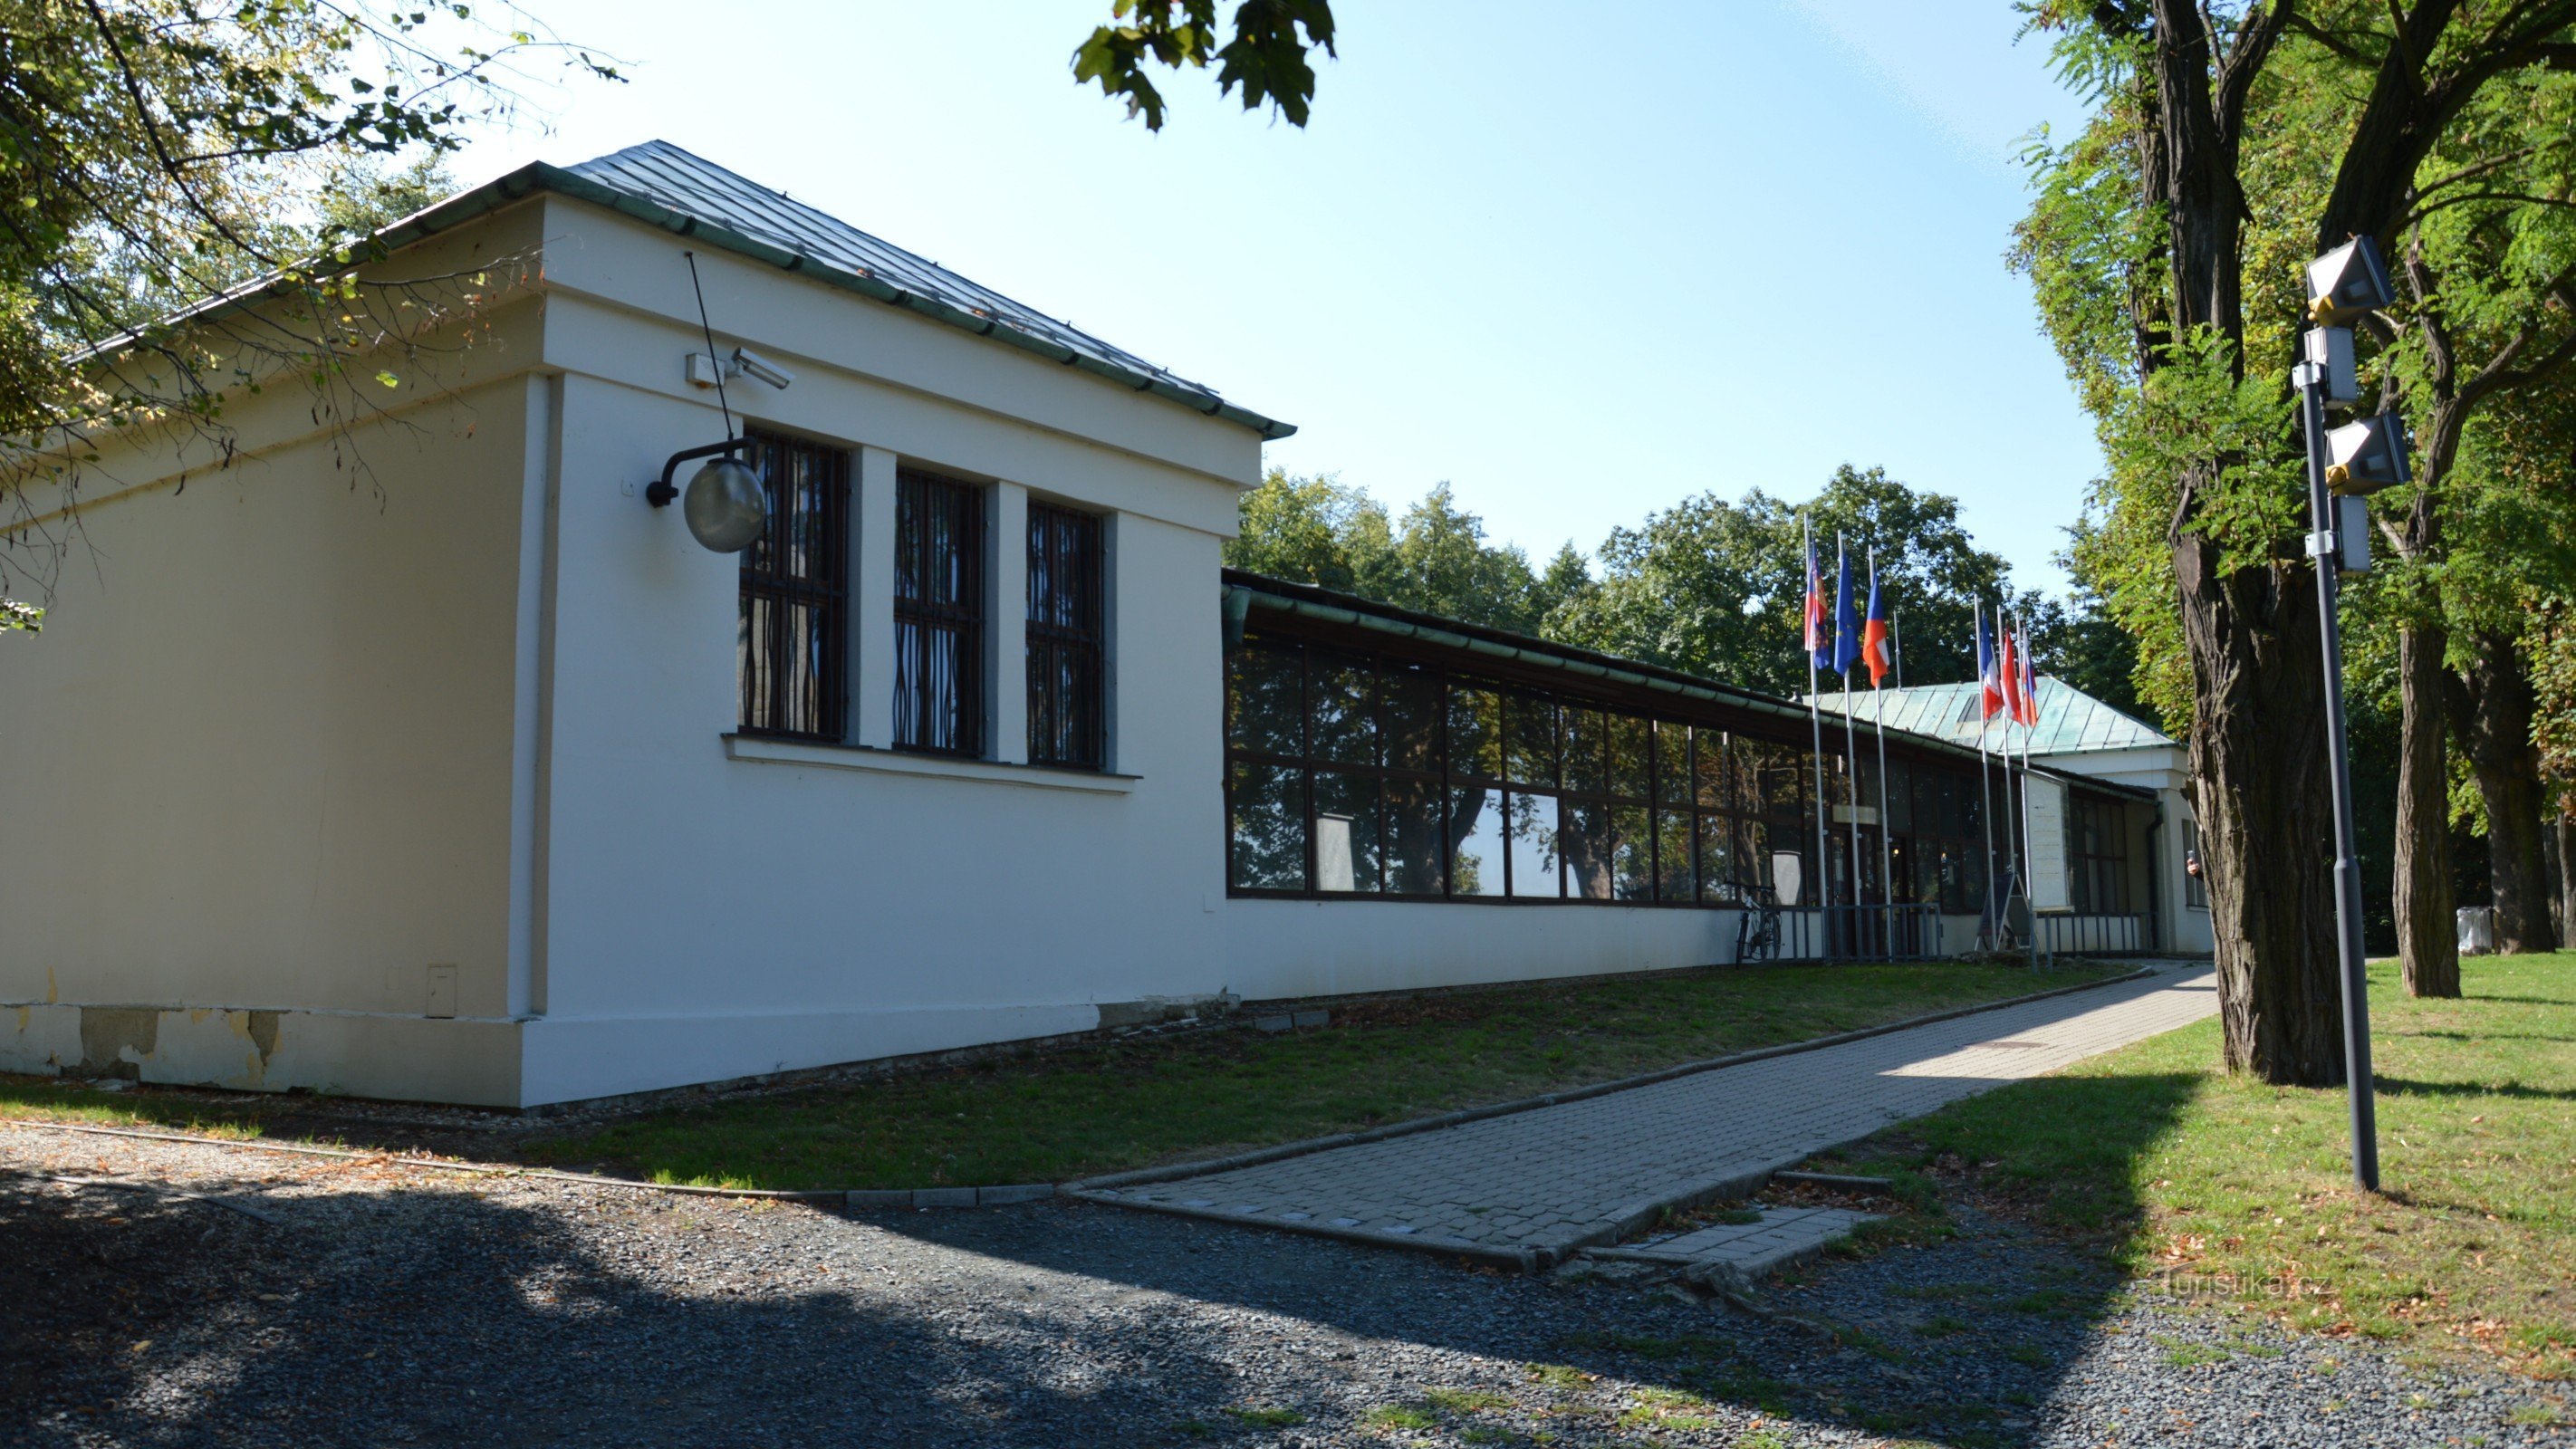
(662, 185)
(697, 188)
(2070, 721)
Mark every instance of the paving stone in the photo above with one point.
(1558, 1177)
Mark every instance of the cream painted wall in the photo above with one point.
(261, 752)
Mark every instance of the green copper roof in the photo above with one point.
(2071, 722)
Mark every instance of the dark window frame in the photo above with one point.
(1066, 640)
(939, 571)
(1754, 826)
(783, 691)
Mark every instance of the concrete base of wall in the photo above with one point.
(471, 1061)
(482, 1062)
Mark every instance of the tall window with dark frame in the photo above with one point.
(792, 643)
(1066, 639)
(938, 614)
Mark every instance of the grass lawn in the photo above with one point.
(2241, 1194)
(1120, 1105)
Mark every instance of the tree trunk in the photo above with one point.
(2428, 943)
(2566, 830)
(2551, 872)
(2260, 785)
(2507, 767)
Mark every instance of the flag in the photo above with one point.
(2011, 672)
(1990, 672)
(1846, 624)
(2028, 707)
(1874, 642)
(1816, 611)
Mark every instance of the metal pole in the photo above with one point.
(1816, 726)
(2356, 979)
(1886, 854)
(1851, 787)
(1985, 791)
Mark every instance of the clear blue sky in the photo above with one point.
(1579, 261)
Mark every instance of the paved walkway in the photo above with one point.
(1536, 1185)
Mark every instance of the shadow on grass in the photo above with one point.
(2407, 1087)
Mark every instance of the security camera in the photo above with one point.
(753, 365)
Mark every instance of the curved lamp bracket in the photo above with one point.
(660, 494)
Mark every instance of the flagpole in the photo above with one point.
(1851, 736)
(1896, 640)
(1816, 726)
(2029, 901)
(1985, 782)
(1878, 712)
(2030, 727)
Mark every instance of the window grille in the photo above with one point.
(1066, 639)
(938, 614)
(792, 641)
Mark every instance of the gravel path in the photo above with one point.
(393, 1305)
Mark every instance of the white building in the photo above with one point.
(418, 755)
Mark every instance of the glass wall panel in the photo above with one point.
(1346, 831)
(1475, 733)
(1585, 745)
(1409, 719)
(1672, 764)
(1632, 855)
(1529, 728)
(1265, 708)
(1533, 845)
(1674, 880)
(1341, 693)
(1267, 844)
(1718, 875)
(1413, 836)
(1754, 843)
(1476, 842)
(1585, 837)
(1900, 797)
(1710, 771)
(1628, 778)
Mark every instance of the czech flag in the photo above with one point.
(1816, 612)
(2027, 707)
(1873, 639)
(1990, 674)
(1846, 623)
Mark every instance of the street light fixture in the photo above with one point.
(2364, 457)
(726, 507)
(2348, 282)
(2356, 459)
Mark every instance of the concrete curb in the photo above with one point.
(1171, 1171)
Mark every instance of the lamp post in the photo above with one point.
(2343, 466)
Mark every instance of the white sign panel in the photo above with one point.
(2047, 805)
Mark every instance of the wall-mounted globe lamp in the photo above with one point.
(725, 505)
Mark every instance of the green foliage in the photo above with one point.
(159, 154)
(1266, 55)
(1436, 559)
(1719, 588)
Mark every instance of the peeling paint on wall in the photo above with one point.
(116, 1040)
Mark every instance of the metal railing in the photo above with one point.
(2093, 934)
(1902, 932)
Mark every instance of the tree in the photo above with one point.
(158, 154)
(1266, 55)
(2138, 245)
(1717, 588)
(1322, 531)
